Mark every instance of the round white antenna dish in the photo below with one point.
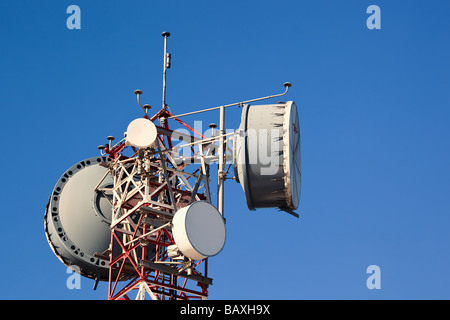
(267, 156)
(141, 133)
(199, 230)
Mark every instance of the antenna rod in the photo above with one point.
(165, 34)
(221, 165)
(287, 85)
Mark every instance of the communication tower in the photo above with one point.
(145, 222)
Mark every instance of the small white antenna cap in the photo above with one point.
(141, 133)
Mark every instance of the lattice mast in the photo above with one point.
(150, 186)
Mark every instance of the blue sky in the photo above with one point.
(374, 111)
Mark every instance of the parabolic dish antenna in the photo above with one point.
(267, 156)
(141, 133)
(77, 219)
(199, 230)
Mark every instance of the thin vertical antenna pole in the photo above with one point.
(165, 34)
(221, 169)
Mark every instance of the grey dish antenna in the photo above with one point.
(77, 218)
(267, 156)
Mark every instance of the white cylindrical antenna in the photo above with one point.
(166, 64)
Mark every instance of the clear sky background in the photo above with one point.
(374, 113)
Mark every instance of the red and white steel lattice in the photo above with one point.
(149, 187)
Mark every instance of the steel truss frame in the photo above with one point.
(149, 187)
